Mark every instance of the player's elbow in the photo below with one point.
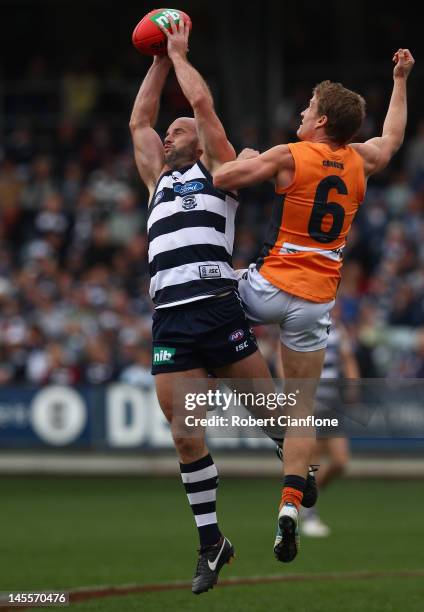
(138, 124)
(399, 143)
(391, 146)
(201, 102)
(394, 142)
(134, 126)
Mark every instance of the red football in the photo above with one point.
(148, 38)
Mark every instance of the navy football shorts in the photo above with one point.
(208, 333)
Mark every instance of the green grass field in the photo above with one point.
(84, 532)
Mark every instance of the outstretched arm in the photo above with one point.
(213, 139)
(251, 168)
(148, 148)
(377, 152)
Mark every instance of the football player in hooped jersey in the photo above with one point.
(320, 183)
(199, 324)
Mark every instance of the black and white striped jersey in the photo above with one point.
(190, 230)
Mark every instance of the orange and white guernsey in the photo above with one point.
(311, 219)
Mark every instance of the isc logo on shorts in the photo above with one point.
(209, 271)
(163, 354)
(242, 346)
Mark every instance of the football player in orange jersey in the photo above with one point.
(321, 181)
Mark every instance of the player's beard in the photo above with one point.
(177, 158)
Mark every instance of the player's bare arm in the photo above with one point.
(252, 167)
(377, 152)
(148, 147)
(212, 137)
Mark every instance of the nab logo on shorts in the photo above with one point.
(236, 335)
(163, 355)
(210, 271)
(189, 202)
(190, 187)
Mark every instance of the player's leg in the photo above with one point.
(252, 367)
(198, 471)
(251, 376)
(175, 362)
(311, 523)
(265, 303)
(304, 333)
(302, 371)
(338, 454)
(192, 448)
(200, 479)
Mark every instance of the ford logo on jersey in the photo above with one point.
(236, 335)
(189, 187)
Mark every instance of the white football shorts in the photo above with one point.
(304, 325)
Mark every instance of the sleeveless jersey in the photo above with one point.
(311, 219)
(190, 231)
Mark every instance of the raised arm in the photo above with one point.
(212, 137)
(251, 168)
(148, 147)
(377, 152)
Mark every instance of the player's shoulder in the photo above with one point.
(370, 154)
(369, 151)
(282, 151)
(304, 148)
(302, 152)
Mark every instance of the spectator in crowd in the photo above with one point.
(74, 271)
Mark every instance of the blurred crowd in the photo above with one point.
(74, 299)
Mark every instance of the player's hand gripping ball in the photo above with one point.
(148, 38)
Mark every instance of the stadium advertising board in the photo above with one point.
(125, 417)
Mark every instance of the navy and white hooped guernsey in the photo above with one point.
(190, 231)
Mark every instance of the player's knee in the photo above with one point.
(189, 449)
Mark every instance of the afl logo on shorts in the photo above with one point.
(236, 335)
(190, 187)
(189, 202)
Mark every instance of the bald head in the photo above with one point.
(188, 123)
(181, 143)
